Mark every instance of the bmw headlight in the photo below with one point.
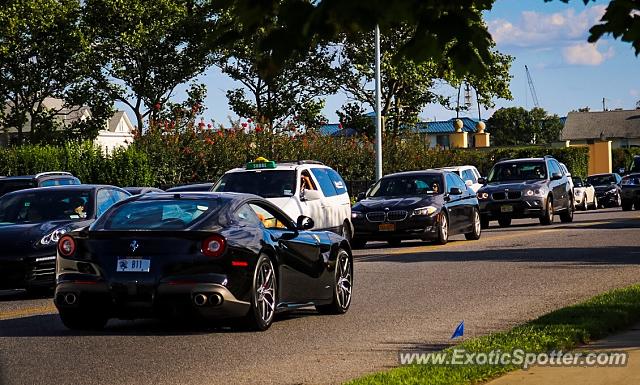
(429, 210)
(538, 192)
(356, 215)
(483, 195)
(53, 237)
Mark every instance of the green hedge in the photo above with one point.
(623, 157)
(165, 158)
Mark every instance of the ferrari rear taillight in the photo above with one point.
(66, 246)
(213, 246)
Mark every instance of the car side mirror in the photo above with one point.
(556, 176)
(304, 223)
(455, 191)
(361, 196)
(482, 180)
(311, 195)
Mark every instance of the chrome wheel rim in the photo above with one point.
(265, 291)
(477, 223)
(550, 211)
(344, 280)
(444, 227)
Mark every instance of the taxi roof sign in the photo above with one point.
(260, 164)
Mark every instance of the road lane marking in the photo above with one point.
(27, 312)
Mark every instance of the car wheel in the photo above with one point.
(484, 222)
(548, 215)
(584, 206)
(595, 203)
(477, 227)
(504, 221)
(358, 243)
(76, 319)
(263, 295)
(343, 286)
(394, 242)
(346, 231)
(627, 205)
(618, 201)
(567, 215)
(443, 229)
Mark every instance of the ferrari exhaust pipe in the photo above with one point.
(70, 298)
(199, 299)
(215, 299)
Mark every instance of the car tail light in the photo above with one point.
(213, 246)
(66, 246)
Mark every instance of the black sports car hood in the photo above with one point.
(395, 203)
(512, 186)
(20, 239)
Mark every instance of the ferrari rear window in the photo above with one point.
(165, 214)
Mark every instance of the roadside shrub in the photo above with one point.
(623, 157)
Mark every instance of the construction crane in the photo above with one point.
(532, 88)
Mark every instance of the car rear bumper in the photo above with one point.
(132, 300)
(414, 227)
(532, 207)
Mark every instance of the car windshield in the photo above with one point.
(413, 185)
(267, 184)
(517, 171)
(601, 180)
(160, 214)
(577, 182)
(48, 204)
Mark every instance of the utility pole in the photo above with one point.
(378, 109)
(604, 105)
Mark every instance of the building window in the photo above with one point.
(442, 141)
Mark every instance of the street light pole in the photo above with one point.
(378, 110)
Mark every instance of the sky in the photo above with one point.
(550, 38)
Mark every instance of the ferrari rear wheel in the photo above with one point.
(343, 286)
(263, 298)
(75, 319)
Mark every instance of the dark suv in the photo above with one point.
(526, 188)
(44, 179)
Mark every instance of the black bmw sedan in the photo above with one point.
(201, 255)
(428, 205)
(32, 221)
(607, 188)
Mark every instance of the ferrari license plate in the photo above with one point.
(133, 265)
(506, 209)
(387, 227)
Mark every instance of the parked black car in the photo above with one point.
(198, 187)
(45, 179)
(32, 221)
(428, 205)
(203, 255)
(526, 188)
(607, 188)
(630, 192)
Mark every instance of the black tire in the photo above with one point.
(548, 215)
(394, 242)
(595, 203)
(443, 229)
(358, 243)
(39, 292)
(477, 227)
(88, 320)
(584, 206)
(346, 231)
(504, 221)
(567, 215)
(263, 295)
(484, 222)
(618, 201)
(637, 205)
(342, 285)
(627, 205)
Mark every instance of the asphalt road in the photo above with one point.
(411, 297)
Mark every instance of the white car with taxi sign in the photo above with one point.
(304, 187)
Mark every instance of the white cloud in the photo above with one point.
(586, 54)
(535, 29)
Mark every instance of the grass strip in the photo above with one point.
(562, 329)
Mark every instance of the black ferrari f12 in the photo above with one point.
(208, 255)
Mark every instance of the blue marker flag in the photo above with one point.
(459, 332)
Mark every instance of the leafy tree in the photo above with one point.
(353, 115)
(46, 54)
(149, 47)
(517, 126)
(290, 92)
(440, 29)
(409, 85)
